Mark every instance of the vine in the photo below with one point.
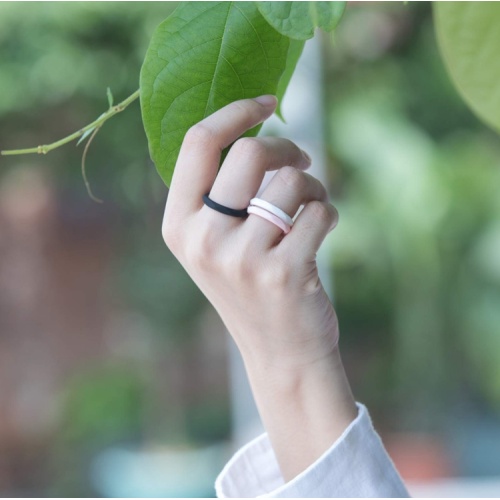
(97, 123)
(190, 71)
(208, 54)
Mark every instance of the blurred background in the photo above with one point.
(113, 367)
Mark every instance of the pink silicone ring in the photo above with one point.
(270, 217)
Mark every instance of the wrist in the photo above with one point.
(310, 401)
(297, 380)
(283, 356)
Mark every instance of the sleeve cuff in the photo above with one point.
(356, 465)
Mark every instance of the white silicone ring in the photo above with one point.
(258, 202)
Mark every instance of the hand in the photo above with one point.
(264, 285)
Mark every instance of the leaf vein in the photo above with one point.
(218, 57)
(234, 71)
(256, 34)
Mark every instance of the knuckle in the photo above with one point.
(205, 252)
(200, 133)
(295, 155)
(322, 193)
(278, 276)
(292, 178)
(324, 212)
(199, 260)
(204, 248)
(312, 284)
(250, 147)
(245, 106)
(241, 270)
(242, 263)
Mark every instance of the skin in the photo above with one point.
(264, 285)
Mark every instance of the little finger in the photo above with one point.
(310, 229)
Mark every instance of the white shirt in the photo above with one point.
(356, 465)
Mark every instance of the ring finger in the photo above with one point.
(288, 190)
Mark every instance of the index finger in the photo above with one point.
(199, 157)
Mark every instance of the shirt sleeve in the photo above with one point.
(356, 465)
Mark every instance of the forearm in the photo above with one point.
(261, 276)
(305, 408)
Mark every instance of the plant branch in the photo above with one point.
(113, 110)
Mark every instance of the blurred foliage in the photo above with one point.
(469, 39)
(102, 405)
(51, 53)
(56, 62)
(416, 251)
(208, 420)
(55, 66)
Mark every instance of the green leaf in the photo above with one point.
(298, 20)
(202, 57)
(294, 53)
(469, 38)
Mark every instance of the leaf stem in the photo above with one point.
(113, 110)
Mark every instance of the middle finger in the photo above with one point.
(243, 170)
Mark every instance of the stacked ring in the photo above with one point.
(272, 213)
(257, 202)
(270, 217)
(257, 206)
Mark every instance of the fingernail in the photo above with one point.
(335, 222)
(266, 100)
(306, 156)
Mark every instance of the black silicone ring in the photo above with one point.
(224, 210)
